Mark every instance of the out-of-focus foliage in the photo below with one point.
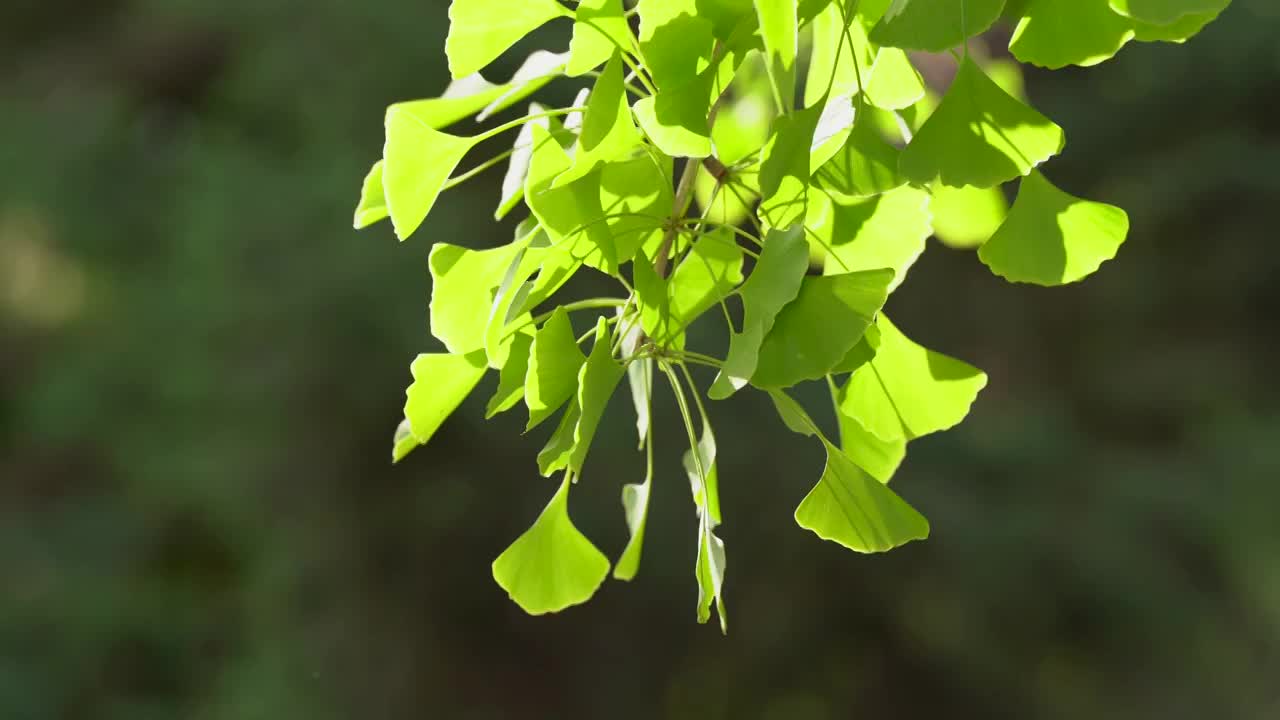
(197, 518)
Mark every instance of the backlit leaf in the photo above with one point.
(865, 165)
(935, 25)
(373, 205)
(676, 120)
(1052, 238)
(884, 231)
(511, 377)
(481, 30)
(417, 161)
(440, 384)
(599, 28)
(554, 361)
(894, 82)
(979, 135)
(907, 391)
(964, 218)
(635, 505)
(1054, 34)
(784, 169)
(597, 380)
(780, 29)
(608, 133)
(462, 288)
(710, 271)
(1166, 12)
(552, 565)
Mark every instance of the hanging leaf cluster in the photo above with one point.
(781, 156)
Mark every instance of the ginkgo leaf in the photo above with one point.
(884, 231)
(554, 456)
(676, 120)
(1055, 34)
(703, 476)
(540, 68)
(373, 204)
(894, 83)
(570, 213)
(907, 391)
(880, 458)
(935, 25)
(462, 286)
(964, 218)
(848, 506)
(707, 274)
(832, 131)
(773, 283)
(440, 384)
(836, 61)
(1052, 238)
(784, 169)
(780, 30)
(473, 94)
(979, 135)
(814, 332)
(709, 570)
(597, 380)
(675, 41)
(554, 361)
(865, 165)
(403, 442)
(552, 565)
(1179, 31)
(635, 505)
(511, 377)
(513, 181)
(599, 29)
(417, 162)
(481, 30)
(1166, 12)
(639, 373)
(608, 133)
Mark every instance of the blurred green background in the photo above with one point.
(201, 367)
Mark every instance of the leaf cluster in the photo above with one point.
(814, 164)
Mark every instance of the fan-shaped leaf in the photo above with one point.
(884, 231)
(1166, 12)
(462, 290)
(554, 361)
(440, 384)
(481, 30)
(373, 204)
(964, 218)
(599, 29)
(417, 162)
(1055, 34)
(935, 25)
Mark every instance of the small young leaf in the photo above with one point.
(709, 570)
(935, 25)
(600, 27)
(1166, 12)
(554, 361)
(907, 391)
(1052, 238)
(481, 30)
(964, 218)
(373, 205)
(597, 380)
(773, 284)
(440, 384)
(884, 231)
(814, 333)
(639, 375)
(417, 161)
(552, 565)
(635, 504)
(979, 135)
(703, 477)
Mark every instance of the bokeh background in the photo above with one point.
(201, 366)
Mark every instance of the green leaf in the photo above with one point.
(704, 278)
(935, 25)
(1052, 238)
(709, 570)
(884, 231)
(703, 477)
(404, 442)
(1166, 12)
(979, 135)
(513, 181)
(865, 165)
(473, 94)
(373, 204)
(597, 380)
(894, 82)
(440, 384)
(608, 133)
(552, 565)
(784, 169)
(813, 333)
(554, 361)
(676, 120)
(511, 377)
(1054, 34)
(780, 29)
(417, 162)
(848, 506)
(555, 455)
(880, 458)
(832, 68)
(675, 40)
(635, 505)
(907, 391)
(462, 292)
(964, 218)
(1178, 31)
(599, 29)
(639, 374)
(774, 282)
(481, 30)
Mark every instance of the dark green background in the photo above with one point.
(201, 366)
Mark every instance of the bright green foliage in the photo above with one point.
(979, 135)
(552, 565)
(1052, 238)
(705, 172)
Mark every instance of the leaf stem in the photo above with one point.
(526, 119)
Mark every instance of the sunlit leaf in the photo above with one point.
(784, 170)
(865, 165)
(608, 133)
(511, 377)
(780, 29)
(554, 456)
(554, 361)
(676, 120)
(709, 570)
(773, 283)
(552, 565)
(813, 333)
(935, 25)
(1052, 238)
(675, 40)
(907, 391)
(597, 380)
(635, 505)
(599, 29)
(417, 161)
(373, 205)
(440, 384)
(710, 271)
(884, 231)
(964, 218)
(463, 282)
(1166, 12)
(1054, 34)
(481, 30)
(1178, 31)
(880, 458)
(979, 135)
(894, 82)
